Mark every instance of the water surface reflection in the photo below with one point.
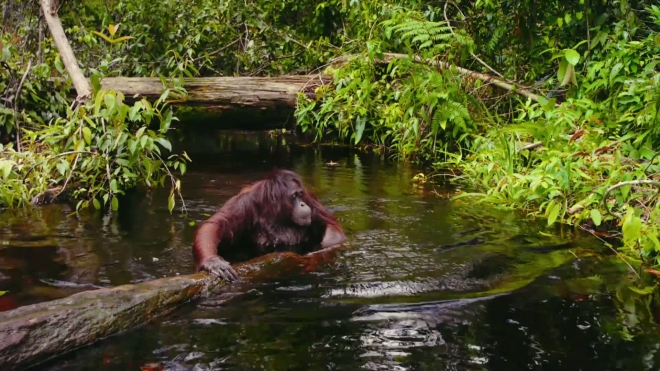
(423, 284)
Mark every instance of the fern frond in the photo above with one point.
(420, 32)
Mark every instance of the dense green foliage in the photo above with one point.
(92, 152)
(594, 68)
(583, 84)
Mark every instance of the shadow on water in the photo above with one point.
(423, 283)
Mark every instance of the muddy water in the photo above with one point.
(422, 284)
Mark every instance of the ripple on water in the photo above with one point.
(412, 290)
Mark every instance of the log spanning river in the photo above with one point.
(423, 283)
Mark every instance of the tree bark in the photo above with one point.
(223, 92)
(49, 8)
(36, 333)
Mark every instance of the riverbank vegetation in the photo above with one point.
(571, 138)
(551, 108)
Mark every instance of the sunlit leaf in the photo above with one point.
(5, 168)
(102, 36)
(643, 291)
(120, 39)
(140, 132)
(87, 135)
(170, 202)
(165, 143)
(572, 56)
(112, 28)
(359, 129)
(596, 216)
(553, 213)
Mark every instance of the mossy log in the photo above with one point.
(33, 334)
(224, 92)
(241, 102)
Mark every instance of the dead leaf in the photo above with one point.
(603, 149)
(576, 135)
(581, 154)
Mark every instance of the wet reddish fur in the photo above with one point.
(262, 206)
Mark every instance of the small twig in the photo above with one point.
(73, 167)
(172, 177)
(18, 95)
(54, 157)
(107, 153)
(42, 36)
(463, 71)
(622, 184)
(648, 212)
(217, 51)
(632, 269)
(651, 161)
(531, 146)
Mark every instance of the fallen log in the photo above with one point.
(33, 334)
(242, 102)
(223, 92)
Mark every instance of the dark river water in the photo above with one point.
(423, 283)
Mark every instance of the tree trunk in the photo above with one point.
(223, 92)
(49, 8)
(33, 334)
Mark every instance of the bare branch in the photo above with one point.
(68, 58)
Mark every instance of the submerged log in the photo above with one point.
(36, 333)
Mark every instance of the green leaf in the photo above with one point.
(572, 56)
(569, 75)
(132, 113)
(165, 143)
(561, 72)
(166, 121)
(120, 39)
(615, 71)
(553, 213)
(132, 145)
(5, 168)
(140, 132)
(359, 129)
(87, 135)
(102, 36)
(97, 204)
(62, 167)
(96, 82)
(170, 202)
(98, 101)
(115, 203)
(110, 102)
(645, 291)
(632, 226)
(596, 216)
(143, 142)
(113, 185)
